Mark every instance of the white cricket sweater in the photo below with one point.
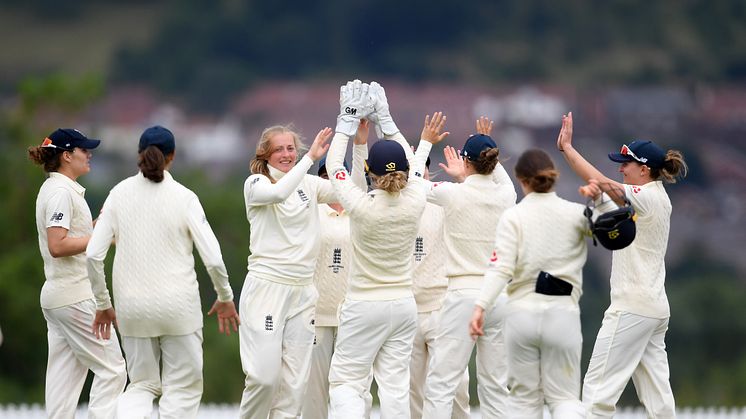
(60, 203)
(284, 223)
(638, 272)
(542, 233)
(333, 264)
(383, 226)
(156, 227)
(429, 281)
(472, 211)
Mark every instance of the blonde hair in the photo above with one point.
(390, 182)
(674, 168)
(259, 163)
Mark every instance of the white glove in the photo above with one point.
(384, 123)
(354, 104)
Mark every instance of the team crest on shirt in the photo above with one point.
(419, 249)
(336, 261)
(57, 216)
(340, 174)
(302, 195)
(268, 323)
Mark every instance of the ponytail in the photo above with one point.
(152, 163)
(487, 161)
(536, 169)
(391, 182)
(674, 168)
(47, 157)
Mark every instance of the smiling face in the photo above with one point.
(283, 152)
(634, 173)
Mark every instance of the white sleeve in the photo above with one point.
(440, 193)
(348, 193)
(58, 211)
(259, 190)
(359, 156)
(209, 249)
(638, 197)
(500, 176)
(324, 190)
(501, 266)
(103, 234)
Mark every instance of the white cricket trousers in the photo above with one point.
(316, 400)
(377, 334)
(169, 367)
(543, 343)
(73, 350)
(276, 336)
(629, 345)
(451, 353)
(427, 328)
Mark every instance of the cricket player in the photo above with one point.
(64, 225)
(472, 211)
(156, 223)
(378, 317)
(631, 341)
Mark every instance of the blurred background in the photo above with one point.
(217, 72)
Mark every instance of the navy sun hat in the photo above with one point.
(642, 151)
(158, 136)
(67, 139)
(475, 145)
(387, 156)
(322, 166)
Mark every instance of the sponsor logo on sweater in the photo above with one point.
(268, 324)
(302, 195)
(57, 216)
(336, 261)
(419, 249)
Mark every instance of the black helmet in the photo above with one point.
(614, 229)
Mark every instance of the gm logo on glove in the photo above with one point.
(350, 111)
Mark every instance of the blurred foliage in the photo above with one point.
(207, 51)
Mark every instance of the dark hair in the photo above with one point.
(536, 168)
(674, 168)
(486, 162)
(47, 157)
(391, 182)
(152, 163)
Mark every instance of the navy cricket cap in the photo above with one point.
(387, 156)
(642, 151)
(475, 145)
(67, 139)
(322, 166)
(158, 136)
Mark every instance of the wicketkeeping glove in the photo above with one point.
(385, 124)
(354, 103)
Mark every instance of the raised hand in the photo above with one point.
(103, 322)
(227, 316)
(454, 164)
(362, 133)
(319, 145)
(431, 132)
(354, 104)
(484, 125)
(385, 123)
(564, 139)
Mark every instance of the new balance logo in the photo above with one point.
(336, 261)
(419, 249)
(268, 324)
(57, 216)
